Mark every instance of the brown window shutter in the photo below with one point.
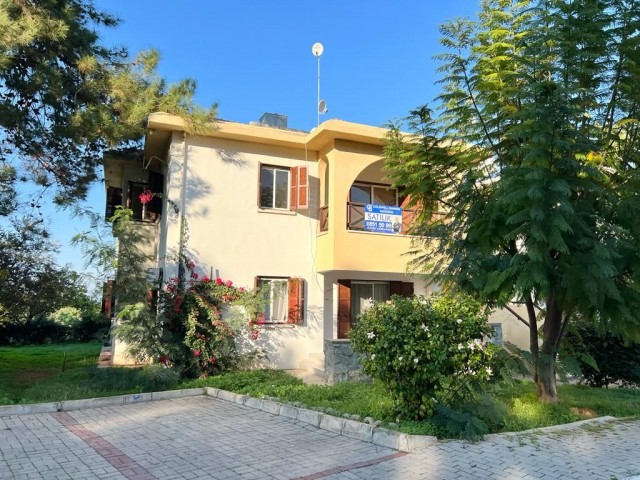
(156, 185)
(303, 188)
(395, 288)
(108, 298)
(114, 198)
(344, 308)
(152, 299)
(296, 300)
(293, 188)
(407, 289)
(259, 196)
(404, 289)
(408, 215)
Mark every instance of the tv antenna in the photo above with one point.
(317, 50)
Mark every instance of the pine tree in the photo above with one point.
(531, 166)
(65, 98)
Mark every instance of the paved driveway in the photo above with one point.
(209, 438)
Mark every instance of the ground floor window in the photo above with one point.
(355, 296)
(283, 299)
(496, 336)
(274, 291)
(363, 294)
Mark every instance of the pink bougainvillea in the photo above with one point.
(204, 343)
(146, 196)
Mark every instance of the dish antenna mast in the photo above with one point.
(317, 50)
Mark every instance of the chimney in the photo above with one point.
(273, 120)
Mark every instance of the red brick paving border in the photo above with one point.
(116, 457)
(353, 466)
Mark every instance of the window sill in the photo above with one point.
(276, 326)
(276, 211)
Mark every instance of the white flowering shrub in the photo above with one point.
(426, 350)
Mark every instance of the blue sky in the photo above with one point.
(252, 57)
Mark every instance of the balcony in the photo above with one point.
(346, 245)
(355, 217)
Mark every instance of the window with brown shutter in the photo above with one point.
(284, 299)
(352, 295)
(296, 300)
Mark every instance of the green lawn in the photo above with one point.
(34, 374)
(23, 368)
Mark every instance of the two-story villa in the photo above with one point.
(307, 213)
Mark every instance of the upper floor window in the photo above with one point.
(364, 193)
(274, 187)
(130, 198)
(284, 188)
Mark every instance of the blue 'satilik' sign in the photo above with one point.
(382, 218)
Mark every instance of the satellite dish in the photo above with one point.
(317, 49)
(322, 107)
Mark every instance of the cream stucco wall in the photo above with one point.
(230, 237)
(342, 249)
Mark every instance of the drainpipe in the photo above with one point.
(183, 205)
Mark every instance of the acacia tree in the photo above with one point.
(527, 176)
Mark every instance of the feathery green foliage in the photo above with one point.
(531, 165)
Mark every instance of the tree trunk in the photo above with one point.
(533, 335)
(546, 360)
(546, 381)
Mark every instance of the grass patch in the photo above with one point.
(371, 400)
(22, 368)
(34, 374)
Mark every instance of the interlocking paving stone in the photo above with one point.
(207, 438)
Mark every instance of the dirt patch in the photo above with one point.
(31, 376)
(584, 412)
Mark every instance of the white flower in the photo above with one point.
(460, 346)
(424, 328)
(371, 335)
(415, 360)
(373, 356)
(472, 345)
(489, 371)
(459, 320)
(400, 359)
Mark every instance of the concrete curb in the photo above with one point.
(68, 405)
(341, 426)
(349, 428)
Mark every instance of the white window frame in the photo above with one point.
(262, 281)
(274, 169)
(373, 186)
